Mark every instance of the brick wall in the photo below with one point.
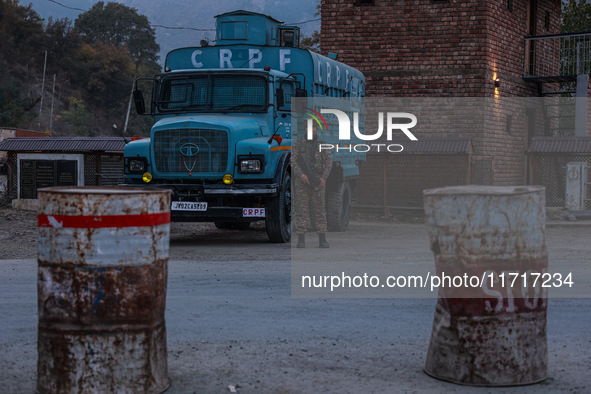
(447, 49)
(410, 47)
(436, 49)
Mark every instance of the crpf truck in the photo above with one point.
(221, 140)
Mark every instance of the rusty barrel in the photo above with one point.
(102, 273)
(488, 329)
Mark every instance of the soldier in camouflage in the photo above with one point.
(310, 169)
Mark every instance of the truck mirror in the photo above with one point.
(138, 99)
(280, 98)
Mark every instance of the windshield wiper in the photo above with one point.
(186, 107)
(239, 106)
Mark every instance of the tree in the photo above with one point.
(12, 106)
(118, 25)
(21, 31)
(77, 116)
(576, 16)
(313, 42)
(103, 71)
(62, 41)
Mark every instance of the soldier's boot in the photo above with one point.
(322, 241)
(301, 241)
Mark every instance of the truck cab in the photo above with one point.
(221, 140)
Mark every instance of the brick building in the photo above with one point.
(438, 47)
(457, 48)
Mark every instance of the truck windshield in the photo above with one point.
(213, 93)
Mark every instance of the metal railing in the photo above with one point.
(558, 56)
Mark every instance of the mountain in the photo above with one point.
(189, 13)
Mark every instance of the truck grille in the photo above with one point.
(173, 151)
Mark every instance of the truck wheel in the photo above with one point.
(232, 225)
(278, 214)
(338, 208)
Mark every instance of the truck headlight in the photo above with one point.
(136, 166)
(249, 165)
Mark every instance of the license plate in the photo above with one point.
(253, 212)
(188, 206)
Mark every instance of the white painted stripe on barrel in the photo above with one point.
(128, 246)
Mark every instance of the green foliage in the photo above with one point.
(313, 42)
(104, 72)
(62, 42)
(21, 31)
(113, 30)
(12, 106)
(77, 116)
(576, 16)
(94, 58)
(118, 25)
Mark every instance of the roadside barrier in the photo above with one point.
(495, 334)
(102, 274)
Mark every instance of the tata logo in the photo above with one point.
(189, 150)
(395, 121)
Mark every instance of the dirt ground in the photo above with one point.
(18, 229)
(231, 319)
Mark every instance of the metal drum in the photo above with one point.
(102, 272)
(491, 332)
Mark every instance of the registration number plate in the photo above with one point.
(253, 212)
(188, 206)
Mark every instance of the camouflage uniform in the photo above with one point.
(306, 197)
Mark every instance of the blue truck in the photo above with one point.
(223, 126)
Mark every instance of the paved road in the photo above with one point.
(231, 320)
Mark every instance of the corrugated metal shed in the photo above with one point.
(451, 145)
(560, 145)
(64, 144)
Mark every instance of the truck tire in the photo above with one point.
(278, 213)
(232, 225)
(338, 208)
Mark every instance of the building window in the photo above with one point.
(532, 18)
(547, 21)
(364, 2)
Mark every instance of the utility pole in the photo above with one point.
(51, 115)
(130, 98)
(42, 90)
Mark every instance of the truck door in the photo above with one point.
(284, 94)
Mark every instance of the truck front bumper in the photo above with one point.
(224, 202)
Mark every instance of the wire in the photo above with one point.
(181, 28)
(304, 22)
(65, 6)
(178, 27)
(248, 61)
(152, 25)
